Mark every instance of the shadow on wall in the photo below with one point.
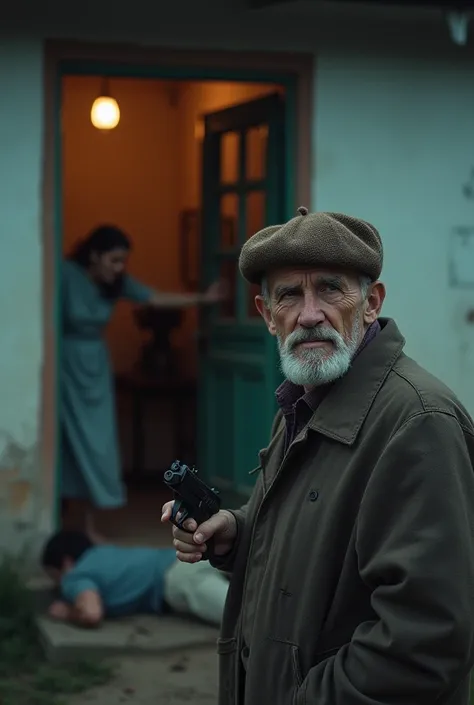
(141, 176)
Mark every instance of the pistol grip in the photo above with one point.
(180, 509)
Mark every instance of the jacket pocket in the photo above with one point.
(274, 674)
(227, 649)
(327, 653)
(296, 665)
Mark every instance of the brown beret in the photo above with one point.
(313, 240)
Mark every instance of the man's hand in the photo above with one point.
(86, 611)
(191, 544)
(59, 610)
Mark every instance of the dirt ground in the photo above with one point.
(185, 677)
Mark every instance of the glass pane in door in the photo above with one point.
(255, 212)
(256, 152)
(229, 214)
(256, 220)
(229, 157)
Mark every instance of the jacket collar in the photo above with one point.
(342, 412)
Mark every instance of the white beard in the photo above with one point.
(313, 367)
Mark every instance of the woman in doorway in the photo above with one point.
(94, 278)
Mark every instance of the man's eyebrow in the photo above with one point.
(281, 289)
(336, 279)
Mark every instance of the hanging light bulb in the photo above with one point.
(105, 111)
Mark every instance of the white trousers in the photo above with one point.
(197, 589)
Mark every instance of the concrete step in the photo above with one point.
(140, 634)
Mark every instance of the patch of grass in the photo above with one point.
(26, 677)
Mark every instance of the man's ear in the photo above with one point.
(265, 313)
(373, 305)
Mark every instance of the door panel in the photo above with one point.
(243, 190)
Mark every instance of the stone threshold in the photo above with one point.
(140, 634)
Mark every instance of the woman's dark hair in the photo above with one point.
(102, 239)
(65, 544)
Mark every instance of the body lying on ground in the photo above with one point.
(98, 581)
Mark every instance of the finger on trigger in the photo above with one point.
(166, 511)
(182, 535)
(190, 525)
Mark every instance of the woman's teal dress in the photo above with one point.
(90, 457)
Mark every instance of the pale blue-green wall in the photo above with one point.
(20, 209)
(20, 288)
(394, 145)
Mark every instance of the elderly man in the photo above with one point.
(353, 562)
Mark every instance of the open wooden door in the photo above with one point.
(243, 190)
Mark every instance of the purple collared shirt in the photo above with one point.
(298, 406)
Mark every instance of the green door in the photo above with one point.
(243, 190)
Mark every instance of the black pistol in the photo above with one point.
(193, 499)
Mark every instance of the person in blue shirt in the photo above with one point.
(97, 581)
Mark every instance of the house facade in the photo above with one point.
(382, 129)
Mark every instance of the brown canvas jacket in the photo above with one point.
(353, 569)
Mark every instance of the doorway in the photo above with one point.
(147, 176)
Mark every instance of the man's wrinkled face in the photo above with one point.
(319, 318)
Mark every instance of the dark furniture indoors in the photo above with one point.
(177, 396)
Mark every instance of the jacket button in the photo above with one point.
(313, 495)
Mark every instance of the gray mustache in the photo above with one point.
(310, 335)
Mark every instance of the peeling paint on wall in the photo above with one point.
(20, 496)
